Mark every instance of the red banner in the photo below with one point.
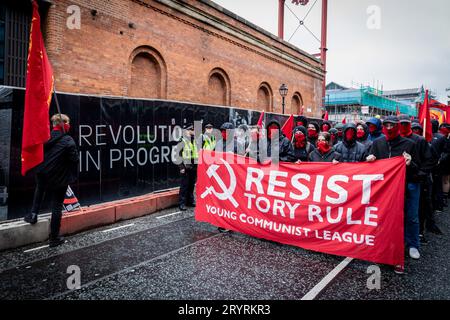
(351, 210)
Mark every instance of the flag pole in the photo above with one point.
(58, 108)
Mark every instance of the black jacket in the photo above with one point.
(351, 151)
(284, 143)
(59, 167)
(384, 149)
(316, 156)
(302, 153)
(426, 160)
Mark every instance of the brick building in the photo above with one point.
(183, 50)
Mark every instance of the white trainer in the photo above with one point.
(414, 253)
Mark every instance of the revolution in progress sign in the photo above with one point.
(352, 210)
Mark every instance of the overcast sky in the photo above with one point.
(411, 47)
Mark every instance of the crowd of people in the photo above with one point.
(428, 163)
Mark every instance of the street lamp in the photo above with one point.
(283, 92)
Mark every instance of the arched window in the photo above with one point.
(148, 76)
(296, 103)
(219, 91)
(265, 97)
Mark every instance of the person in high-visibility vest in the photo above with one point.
(188, 167)
(209, 140)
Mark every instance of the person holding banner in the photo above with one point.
(54, 174)
(426, 162)
(394, 145)
(301, 148)
(325, 151)
(350, 149)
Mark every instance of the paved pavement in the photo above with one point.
(168, 255)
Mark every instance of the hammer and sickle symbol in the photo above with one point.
(227, 193)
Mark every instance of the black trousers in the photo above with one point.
(426, 209)
(438, 201)
(57, 194)
(188, 179)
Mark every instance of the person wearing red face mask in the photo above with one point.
(375, 129)
(313, 132)
(334, 136)
(350, 149)
(339, 127)
(228, 142)
(426, 162)
(394, 145)
(326, 126)
(324, 151)
(54, 174)
(362, 135)
(283, 150)
(301, 148)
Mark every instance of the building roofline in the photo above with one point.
(257, 28)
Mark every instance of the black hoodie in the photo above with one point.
(300, 154)
(365, 140)
(351, 151)
(314, 140)
(284, 143)
(59, 167)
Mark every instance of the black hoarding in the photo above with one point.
(124, 145)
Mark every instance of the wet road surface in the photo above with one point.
(168, 255)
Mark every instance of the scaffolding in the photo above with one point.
(363, 103)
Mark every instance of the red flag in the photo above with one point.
(288, 127)
(424, 119)
(260, 123)
(344, 121)
(38, 94)
(398, 112)
(325, 117)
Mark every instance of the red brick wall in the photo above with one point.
(97, 58)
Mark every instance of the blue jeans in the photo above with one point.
(412, 215)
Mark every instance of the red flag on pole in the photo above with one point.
(397, 112)
(325, 117)
(288, 127)
(344, 121)
(38, 95)
(424, 119)
(260, 123)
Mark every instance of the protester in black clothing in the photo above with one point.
(417, 128)
(302, 121)
(437, 144)
(301, 148)
(228, 141)
(54, 174)
(340, 131)
(273, 130)
(324, 151)
(350, 149)
(375, 129)
(362, 135)
(242, 139)
(313, 132)
(444, 162)
(334, 136)
(394, 145)
(426, 162)
(325, 126)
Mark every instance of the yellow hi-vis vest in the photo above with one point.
(209, 142)
(189, 150)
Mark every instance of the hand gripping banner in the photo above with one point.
(352, 210)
